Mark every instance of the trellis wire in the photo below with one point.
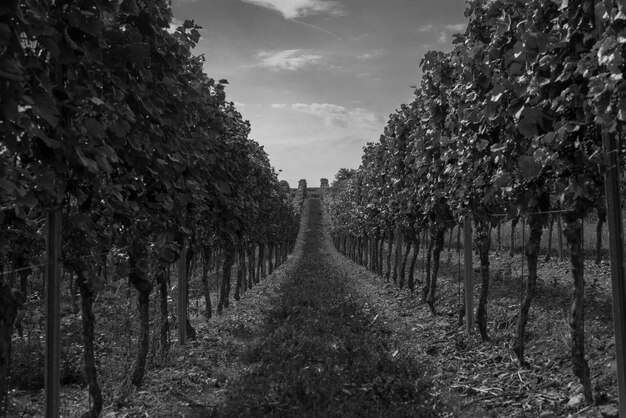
(548, 212)
(9, 272)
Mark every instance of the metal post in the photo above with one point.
(53, 313)
(610, 145)
(616, 245)
(469, 274)
(182, 297)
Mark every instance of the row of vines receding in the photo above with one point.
(507, 125)
(107, 116)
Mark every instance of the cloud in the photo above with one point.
(366, 118)
(334, 115)
(292, 9)
(290, 59)
(457, 27)
(239, 105)
(443, 29)
(279, 106)
(339, 116)
(370, 55)
(426, 28)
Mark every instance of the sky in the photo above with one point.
(318, 79)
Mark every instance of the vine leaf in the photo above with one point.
(528, 122)
(94, 128)
(528, 167)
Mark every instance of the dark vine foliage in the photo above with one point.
(509, 121)
(109, 117)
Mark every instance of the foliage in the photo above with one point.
(509, 121)
(108, 116)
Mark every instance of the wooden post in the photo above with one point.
(398, 257)
(469, 274)
(559, 234)
(182, 297)
(53, 313)
(610, 145)
(616, 247)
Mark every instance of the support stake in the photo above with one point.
(616, 245)
(611, 148)
(182, 296)
(469, 274)
(53, 313)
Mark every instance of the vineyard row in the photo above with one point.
(114, 140)
(523, 117)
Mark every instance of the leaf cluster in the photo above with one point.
(109, 115)
(510, 120)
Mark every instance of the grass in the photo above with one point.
(322, 355)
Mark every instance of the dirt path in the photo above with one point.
(324, 350)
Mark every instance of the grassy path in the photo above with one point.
(324, 337)
(321, 351)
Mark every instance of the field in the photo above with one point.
(153, 262)
(305, 337)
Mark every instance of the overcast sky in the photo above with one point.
(318, 79)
